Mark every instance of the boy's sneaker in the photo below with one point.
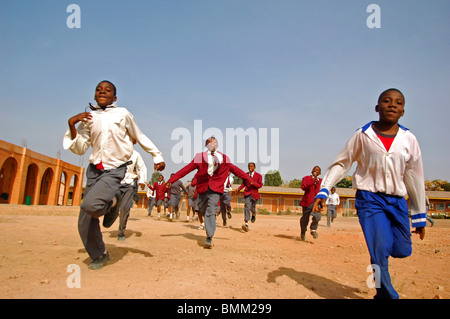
(121, 238)
(253, 218)
(302, 237)
(201, 227)
(229, 215)
(208, 242)
(245, 227)
(98, 262)
(314, 234)
(111, 216)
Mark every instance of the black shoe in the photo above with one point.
(98, 262)
(224, 222)
(253, 218)
(229, 215)
(112, 214)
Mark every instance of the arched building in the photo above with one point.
(27, 177)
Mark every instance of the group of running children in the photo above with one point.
(389, 167)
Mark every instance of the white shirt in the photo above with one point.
(211, 164)
(151, 193)
(333, 199)
(109, 133)
(398, 171)
(229, 188)
(141, 170)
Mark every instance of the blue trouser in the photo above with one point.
(385, 223)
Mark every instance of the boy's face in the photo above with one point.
(104, 94)
(390, 107)
(316, 171)
(212, 144)
(251, 167)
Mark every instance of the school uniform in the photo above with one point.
(311, 188)
(136, 174)
(109, 133)
(212, 170)
(151, 200)
(332, 202)
(225, 198)
(383, 178)
(175, 193)
(160, 189)
(190, 194)
(251, 194)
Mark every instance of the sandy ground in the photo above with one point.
(41, 256)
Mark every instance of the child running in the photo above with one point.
(109, 130)
(212, 169)
(389, 168)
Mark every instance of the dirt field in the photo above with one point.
(40, 250)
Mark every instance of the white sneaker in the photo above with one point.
(202, 226)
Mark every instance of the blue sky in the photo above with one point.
(312, 69)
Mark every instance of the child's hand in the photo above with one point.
(420, 231)
(160, 166)
(82, 117)
(318, 205)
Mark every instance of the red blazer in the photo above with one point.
(311, 189)
(202, 179)
(160, 190)
(252, 189)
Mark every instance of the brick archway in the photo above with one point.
(35, 179)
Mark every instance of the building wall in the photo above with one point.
(27, 177)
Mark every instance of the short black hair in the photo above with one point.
(114, 87)
(252, 163)
(391, 89)
(209, 139)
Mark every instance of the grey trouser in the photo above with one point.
(207, 203)
(304, 220)
(250, 206)
(225, 204)
(331, 213)
(101, 186)
(126, 192)
(151, 204)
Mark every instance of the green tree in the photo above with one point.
(446, 187)
(435, 185)
(155, 177)
(273, 178)
(237, 180)
(345, 183)
(295, 183)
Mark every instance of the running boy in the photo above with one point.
(212, 169)
(109, 130)
(389, 168)
(136, 174)
(311, 186)
(160, 189)
(251, 195)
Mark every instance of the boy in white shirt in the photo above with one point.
(136, 175)
(332, 203)
(389, 168)
(109, 130)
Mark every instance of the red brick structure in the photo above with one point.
(27, 177)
